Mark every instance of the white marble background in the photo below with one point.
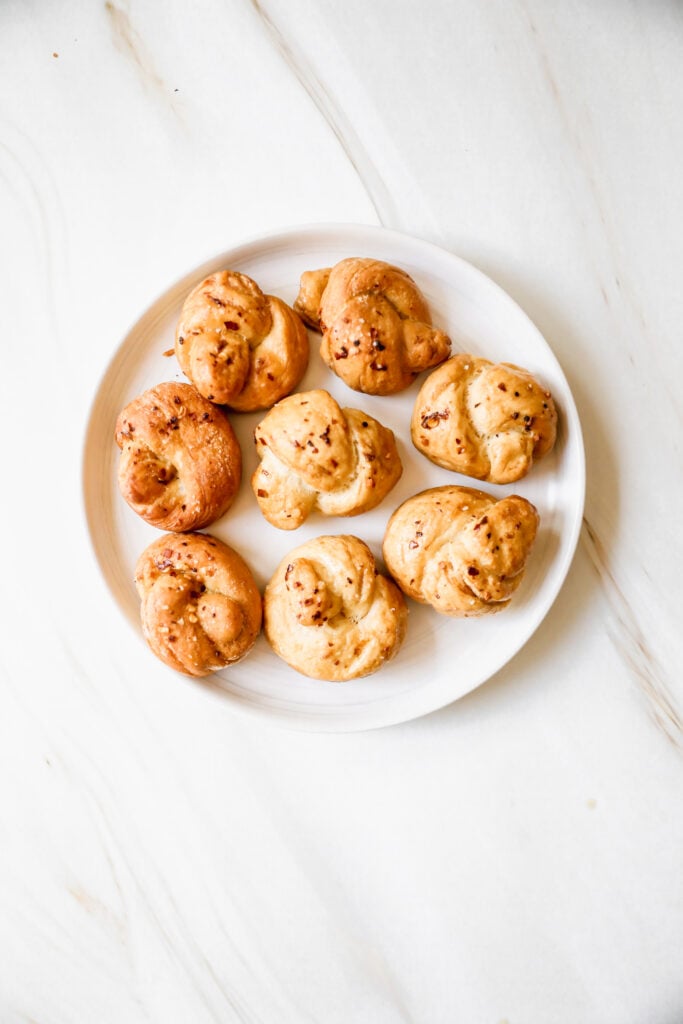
(517, 857)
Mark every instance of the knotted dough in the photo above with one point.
(459, 549)
(329, 613)
(315, 455)
(490, 421)
(376, 327)
(201, 609)
(180, 463)
(239, 347)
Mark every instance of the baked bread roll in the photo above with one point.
(238, 346)
(201, 609)
(180, 462)
(459, 549)
(315, 455)
(376, 328)
(486, 420)
(329, 614)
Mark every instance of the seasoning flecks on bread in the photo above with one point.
(459, 549)
(375, 322)
(317, 456)
(201, 608)
(488, 420)
(238, 346)
(181, 464)
(330, 614)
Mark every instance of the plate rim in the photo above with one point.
(414, 703)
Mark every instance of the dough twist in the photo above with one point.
(329, 614)
(459, 549)
(317, 456)
(180, 464)
(486, 420)
(239, 347)
(201, 609)
(376, 327)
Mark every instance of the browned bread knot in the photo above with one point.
(180, 464)
(201, 609)
(376, 327)
(315, 455)
(459, 549)
(486, 420)
(329, 613)
(238, 346)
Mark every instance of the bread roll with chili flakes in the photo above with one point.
(488, 420)
(239, 347)
(376, 326)
(459, 549)
(181, 463)
(318, 456)
(201, 608)
(330, 614)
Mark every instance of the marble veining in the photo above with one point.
(334, 116)
(129, 42)
(631, 645)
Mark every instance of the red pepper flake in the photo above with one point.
(169, 352)
(471, 571)
(502, 387)
(261, 493)
(230, 325)
(430, 420)
(342, 354)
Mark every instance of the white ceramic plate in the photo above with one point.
(442, 658)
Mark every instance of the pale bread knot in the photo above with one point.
(315, 455)
(330, 614)
(488, 420)
(459, 549)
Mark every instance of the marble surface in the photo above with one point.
(516, 857)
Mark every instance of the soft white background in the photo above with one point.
(515, 857)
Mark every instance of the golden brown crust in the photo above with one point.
(315, 455)
(490, 421)
(239, 347)
(201, 609)
(329, 613)
(376, 327)
(459, 549)
(180, 464)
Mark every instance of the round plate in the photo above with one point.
(442, 658)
